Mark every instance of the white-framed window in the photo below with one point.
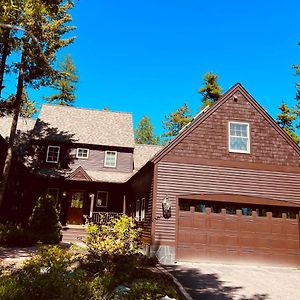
(82, 153)
(137, 210)
(110, 159)
(102, 199)
(143, 209)
(239, 137)
(52, 154)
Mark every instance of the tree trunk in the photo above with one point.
(17, 108)
(5, 53)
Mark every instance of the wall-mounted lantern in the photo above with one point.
(166, 207)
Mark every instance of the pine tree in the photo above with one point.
(144, 132)
(211, 91)
(176, 121)
(285, 120)
(43, 24)
(65, 83)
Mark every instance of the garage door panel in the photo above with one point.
(238, 238)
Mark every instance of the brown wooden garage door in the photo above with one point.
(238, 235)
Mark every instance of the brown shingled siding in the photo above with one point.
(210, 139)
(95, 162)
(176, 179)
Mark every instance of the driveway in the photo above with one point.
(237, 282)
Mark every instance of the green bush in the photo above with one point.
(48, 275)
(16, 235)
(44, 221)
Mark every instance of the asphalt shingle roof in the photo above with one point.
(24, 125)
(88, 126)
(143, 153)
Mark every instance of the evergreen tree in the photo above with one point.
(211, 91)
(285, 119)
(144, 132)
(174, 122)
(43, 24)
(65, 83)
(28, 108)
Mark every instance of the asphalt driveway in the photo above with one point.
(237, 282)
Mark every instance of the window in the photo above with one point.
(82, 153)
(102, 199)
(239, 140)
(143, 209)
(110, 159)
(52, 154)
(137, 210)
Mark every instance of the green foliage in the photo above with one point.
(144, 132)
(12, 235)
(120, 236)
(65, 83)
(176, 121)
(28, 108)
(44, 221)
(48, 275)
(285, 119)
(211, 91)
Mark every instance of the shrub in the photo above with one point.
(12, 234)
(44, 221)
(120, 236)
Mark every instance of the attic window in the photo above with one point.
(82, 153)
(52, 154)
(239, 137)
(110, 159)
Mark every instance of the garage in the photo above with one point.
(237, 229)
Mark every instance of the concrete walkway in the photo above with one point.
(237, 282)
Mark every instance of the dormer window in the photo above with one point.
(82, 153)
(52, 154)
(110, 159)
(239, 137)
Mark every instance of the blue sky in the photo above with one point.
(149, 56)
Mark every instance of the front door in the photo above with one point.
(75, 212)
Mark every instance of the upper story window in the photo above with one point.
(110, 159)
(52, 154)
(82, 153)
(239, 137)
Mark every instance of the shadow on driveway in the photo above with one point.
(207, 286)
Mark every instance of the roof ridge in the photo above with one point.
(85, 108)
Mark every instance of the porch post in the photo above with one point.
(92, 196)
(124, 205)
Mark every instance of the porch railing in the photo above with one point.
(103, 217)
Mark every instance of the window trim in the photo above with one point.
(143, 209)
(115, 164)
(106, 192)
(88, 153)
(248, 137)
(137, 210)
(52, 161)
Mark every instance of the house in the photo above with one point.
(82, 157)
(232, 178)
(226, 188)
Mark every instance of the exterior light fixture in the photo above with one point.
(166, 207)
(64, 194)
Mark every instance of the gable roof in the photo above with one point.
(87, 126)
(143, 153)
(24, 125)
(203, 116)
